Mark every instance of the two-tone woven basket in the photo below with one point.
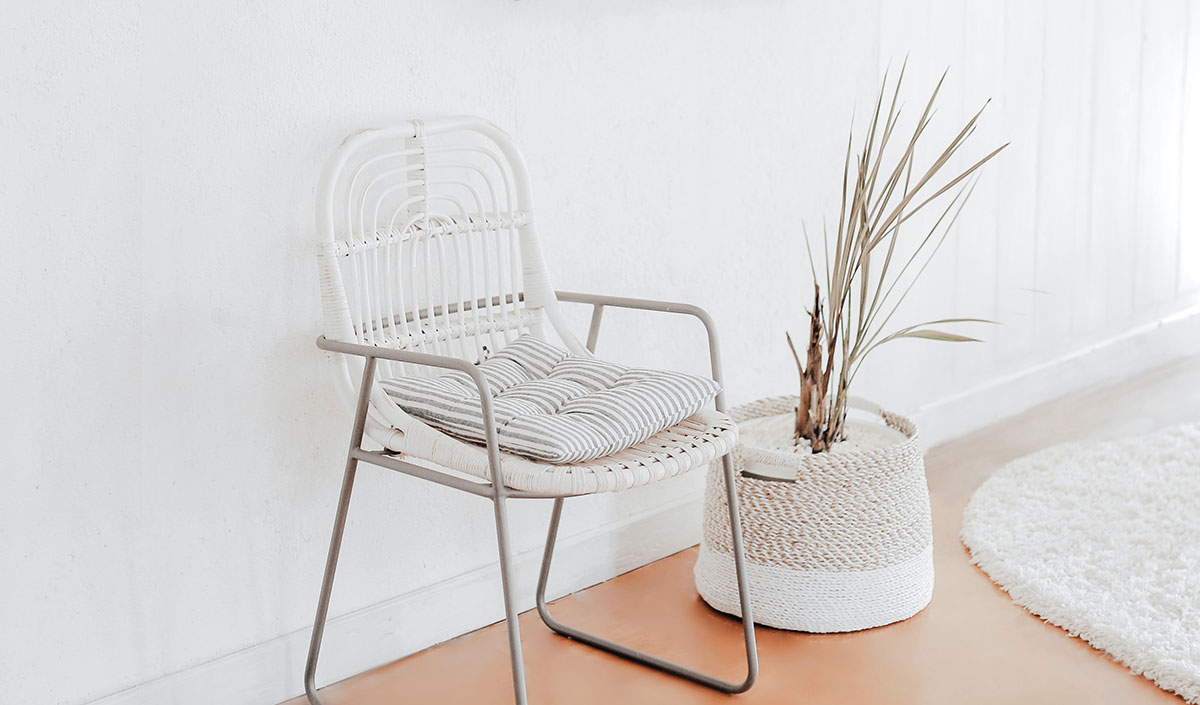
(847, 545)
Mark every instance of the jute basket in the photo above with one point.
(847, 545)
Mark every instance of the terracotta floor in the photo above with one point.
(971, 645)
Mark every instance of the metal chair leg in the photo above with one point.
(335, 542)
(510, 606)
(647, 659)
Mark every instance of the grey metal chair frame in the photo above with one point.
(499, 493)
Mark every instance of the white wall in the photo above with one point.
(171, 452)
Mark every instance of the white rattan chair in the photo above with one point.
(428, 262)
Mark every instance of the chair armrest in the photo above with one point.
(599, 301)
(640, 304)
(374, 352)
(409, 356)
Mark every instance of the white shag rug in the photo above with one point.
(1103, 540)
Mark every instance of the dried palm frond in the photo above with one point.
(865, 282)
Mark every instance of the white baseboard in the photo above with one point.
(1128, 354)
(272, 672)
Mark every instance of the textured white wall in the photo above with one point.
(171, 452)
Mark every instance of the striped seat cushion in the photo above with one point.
(553, 405)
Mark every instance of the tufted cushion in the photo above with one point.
(555, 406)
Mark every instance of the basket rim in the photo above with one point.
(786, 403)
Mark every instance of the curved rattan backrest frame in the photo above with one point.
(427, 243)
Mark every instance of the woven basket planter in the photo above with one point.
(847, 545)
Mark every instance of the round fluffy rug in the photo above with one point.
(1103, 540)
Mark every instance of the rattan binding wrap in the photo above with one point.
(847, 546)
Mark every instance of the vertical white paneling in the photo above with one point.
(1189, 182)
(982, 74)
(1107, 293)
(1156, 235)
(1019, 105)
(929, 34)
(1063, 156)
(937, 296)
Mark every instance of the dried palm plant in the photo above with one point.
(864, 284)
